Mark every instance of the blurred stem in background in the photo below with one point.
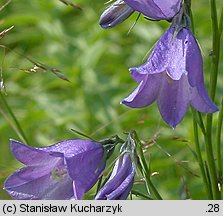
(211, 174)
(199, 157)
(209, 122)
(144, 168)
(219, 154)
(198, 121)
(8, 114)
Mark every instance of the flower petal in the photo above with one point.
(200, 99)
(194, 63)
(122, 192)
(168, 7)
(156, 9)
(29, 155)
(127, 190)
(173, 100)
(72, 147)
(202, 102)
(159, 59)
(37, 183)
(146, 92)
(168, 55)
(85, 168)
(177, 54)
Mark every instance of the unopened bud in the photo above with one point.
(115, 14)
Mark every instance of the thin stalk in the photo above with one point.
(207, 172)
(152, 187)
(199, 120)
(219, 153)
(216, 49)
(221, 23)
(211, 164)
(201, 123)
(188, 5)
(4, 5)
(16, 122)
(213, 84)
(137, 193)
(11, 123)
(146, 173)
(144, 167)
(98, 185)
(204, 172)
(200, 161)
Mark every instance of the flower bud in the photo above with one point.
(115, 14)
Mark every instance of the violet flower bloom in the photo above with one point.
(172, 75)
(65, 170)
(156, 9)
(120, 182)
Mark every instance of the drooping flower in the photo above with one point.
(120, 182)
(172, 75)
(115, 14)
(156, 9)
(65, 170)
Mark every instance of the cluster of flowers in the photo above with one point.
(173, 73)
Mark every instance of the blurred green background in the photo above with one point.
(96, 62)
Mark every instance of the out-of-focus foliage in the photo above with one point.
(96, 62)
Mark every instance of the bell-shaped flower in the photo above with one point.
(120, 182)
(115, 14)
(172, 75)
(65, 170)
(156, 9)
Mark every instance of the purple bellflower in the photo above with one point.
(172, 75)
(120, 182)
(156, 9)
(65, 170)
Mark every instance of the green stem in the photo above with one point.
(188, 5)
(17, 125)
(200, 159)
(219, 153)
(98, 185)
(137, 193)
(152, 187)
(201, 123)
(216, 50)
(146, 174)
(198, 119)
(221, 23)
(213, 84)
(144, 167)
(207, 172)
(211, 160)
